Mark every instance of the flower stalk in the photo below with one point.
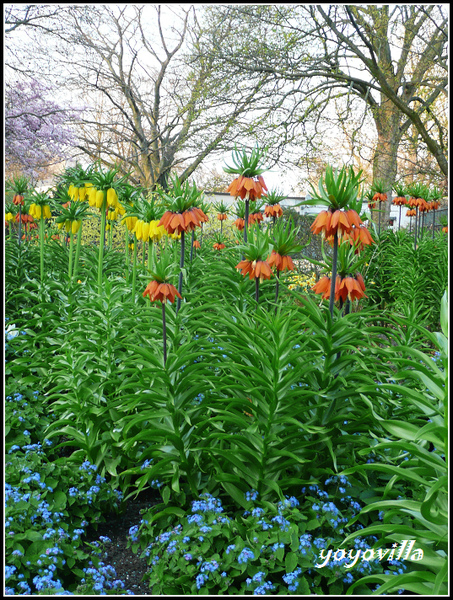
(77, 254)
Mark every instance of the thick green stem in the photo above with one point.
(101, 243)
(20, 224)
(144, 252)
(41, 246)
(257, 289)
(71, 250)
(277, 286)
(191, 246)
(334, 273)
(181, 266)
(150, 254)
(127, 254)
(164, 332)
(134, 269)
(77, 254)
(246, 219)
(415, 228)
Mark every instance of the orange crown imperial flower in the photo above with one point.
(329, 223)
(380, 196)
(175, 222)
(256, 268)
(274, 210)
(352, 287)
(218, 246)
(255, 218)
(18, 199)
(280, 262)
(222, 217)
(158, 291)
(196, 244)
(247, 187)
(399, 201)
(240, 224)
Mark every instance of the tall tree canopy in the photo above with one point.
(390, 57)
(153, 105)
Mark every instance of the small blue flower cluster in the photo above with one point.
(102, 579)
(261, 589)
(292, 579)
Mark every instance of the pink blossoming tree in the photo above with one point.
(37, 134)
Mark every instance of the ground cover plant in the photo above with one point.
(295, 437)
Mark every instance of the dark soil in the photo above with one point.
(129, 567)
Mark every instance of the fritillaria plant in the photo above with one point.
(249, 184)
(71, 216)
(103, 192)
(338, 191)
(39, 209)
(284, 243)
(159, 289)
(19, 186)
(255, 253)
(183, 214)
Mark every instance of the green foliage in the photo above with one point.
(247, 166)
(407, 278)
(424, 445)
(269, 547)
(249, 398)
(337, 189)
(48, 502)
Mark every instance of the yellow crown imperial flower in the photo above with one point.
(92, 196)
(156, 232)
(138, 229)
(75, 226)
(145, 232)
(99, 198)
(34, 211)
(112, 198)
(130, 222)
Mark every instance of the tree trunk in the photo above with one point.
(387, 120)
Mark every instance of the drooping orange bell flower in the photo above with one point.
(399, 201)
(162, 292)
(240, 224)
(196, 244)
(273, 210)
(281, 262)
(218, 246)
(256, 218)
(378, 196)
(361, 236)
(18, 199)
(256, 268)
(186, 221)
(328, 223)
(222, 216)
(247, 187)
(352, 288)
(323, 287)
